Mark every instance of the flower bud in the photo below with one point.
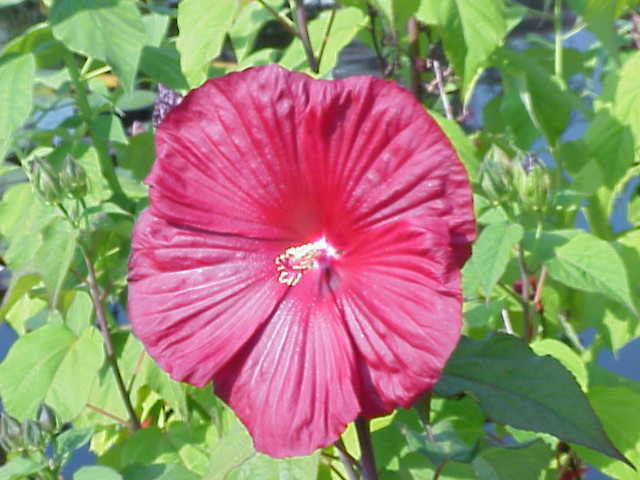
(496, 176)
(47, 418)
(32, 434)
(45, 181)
(73, 178)
(11, 432)
(533, 183)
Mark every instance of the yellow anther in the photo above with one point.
(295, 261)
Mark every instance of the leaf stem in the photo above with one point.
(347, 460)
(106, 336)
(284, 21)
(301, 21)
(526, 289)
(327, 33)
(557, 22)
(423, 408)
(373, 13)
(106, 165)
(367, 461)
(106, 414)
(438, 472)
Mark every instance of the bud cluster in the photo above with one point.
(52, 186)
(32, 434)
(523, 180)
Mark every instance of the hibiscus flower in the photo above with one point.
(302, 250)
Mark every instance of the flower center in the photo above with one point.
(295, 261)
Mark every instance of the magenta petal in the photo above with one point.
(302, 249)
(400, 297)
(293, 386)
(195, 299)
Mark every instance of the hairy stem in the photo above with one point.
(414, 55)
(106, 166)
(367, 461)
(108, 342)
(301, 20)
(557, 22)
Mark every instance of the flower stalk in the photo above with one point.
(367, 460)
(301, 20)
(414, 56)
(108, 341)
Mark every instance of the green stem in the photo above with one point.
(367, 461)
(101, 145)
(106, 336)
(284, 21)
(557, 22)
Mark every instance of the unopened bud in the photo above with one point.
(32, 434)
(47, 418)
(533, 183)
(11, 432)
(73, 178)
(496, 175)
(45, 181)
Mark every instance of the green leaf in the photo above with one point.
(397, 13)
(71, 440)
(57, 237)
(109, 30)
(183, 443)
(588, 263)
(161, 471)
(599, 17)
(20, 285)
(471, 31)
(162, 64)
(50, 364)
(234, 458)
(246, 28)
(518, 388)
(19, 467)
(96, 472)
(491, 253)
(546, 102)
(156, 27)
(445, 447)
(346, 24)
(37, 40)
(9, 3)
(524, 462)
(17, 75)
(566, 356)
(618, 408)
(80, 312)
(626, 106)
(462, 143)
(202, 33)
(139, 155)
